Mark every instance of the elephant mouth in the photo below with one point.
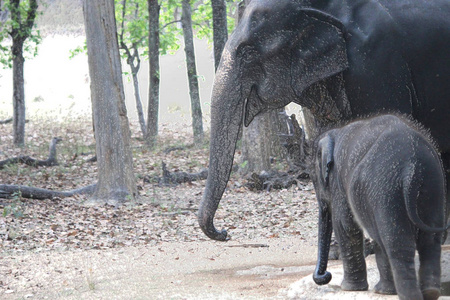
(254, 105)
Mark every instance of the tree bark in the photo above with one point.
(137, 97)
(220, 28)
(255, 145)
(116, 181)
(153, 96)
(18, 93)
(197, 122)
(19, 33)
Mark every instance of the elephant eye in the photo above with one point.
(248, 54)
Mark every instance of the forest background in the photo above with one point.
(57, 89)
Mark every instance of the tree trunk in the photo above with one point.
(312, 126)
(137, 97)
(116, 182)
(220, 28)
(18, 93)
(19, 33)
(255, 145)
(261, 141)
(197, 122)
(153, 53)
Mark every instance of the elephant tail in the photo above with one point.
(411, 202)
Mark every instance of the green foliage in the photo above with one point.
(202, 18)
(132, 24)
(20, 28)
(170, 26)
(78, 50)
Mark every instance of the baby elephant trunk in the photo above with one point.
(321, 276)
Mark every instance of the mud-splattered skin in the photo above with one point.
(385, 175)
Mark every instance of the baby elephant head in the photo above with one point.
(323, 164)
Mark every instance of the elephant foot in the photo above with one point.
(385, 288)
(431, 294)
(347, 285)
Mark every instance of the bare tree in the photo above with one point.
(20, 31)
(153, 53)
(133, 60)
(220, 30)
(186, 21)
(116, 182)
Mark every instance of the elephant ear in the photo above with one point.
(321, 50)
(326, 147)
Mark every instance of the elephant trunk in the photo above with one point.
(227, 107)
(321, 276)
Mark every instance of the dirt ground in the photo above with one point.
(192, 270)
(256, 269)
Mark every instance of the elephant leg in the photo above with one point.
(351, 243)
(429, 248)
(400, 248)
(386, 284)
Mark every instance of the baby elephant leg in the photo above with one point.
(401, 251)
(351, 243)
(386, 284)
(429, 248)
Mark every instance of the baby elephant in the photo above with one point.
(385, 176)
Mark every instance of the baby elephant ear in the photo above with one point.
(326, 146)
(321, 50)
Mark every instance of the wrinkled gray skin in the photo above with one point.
(385, 176)
(341, 59)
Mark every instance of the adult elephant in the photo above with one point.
(341, 59)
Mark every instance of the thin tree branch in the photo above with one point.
(170, 23)
(31, 15)
(122, 25)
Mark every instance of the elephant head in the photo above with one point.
(278, 51)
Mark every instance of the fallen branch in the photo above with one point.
(275, 180)
(6, 121)
(181, 177)
(10, 191)
(175, 148)
(248, 246)
(50, 161)
(174, 178)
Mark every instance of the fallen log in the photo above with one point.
(50, 161)
(10, 191)
(266, 181)
(175, 178)
(181, 177)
